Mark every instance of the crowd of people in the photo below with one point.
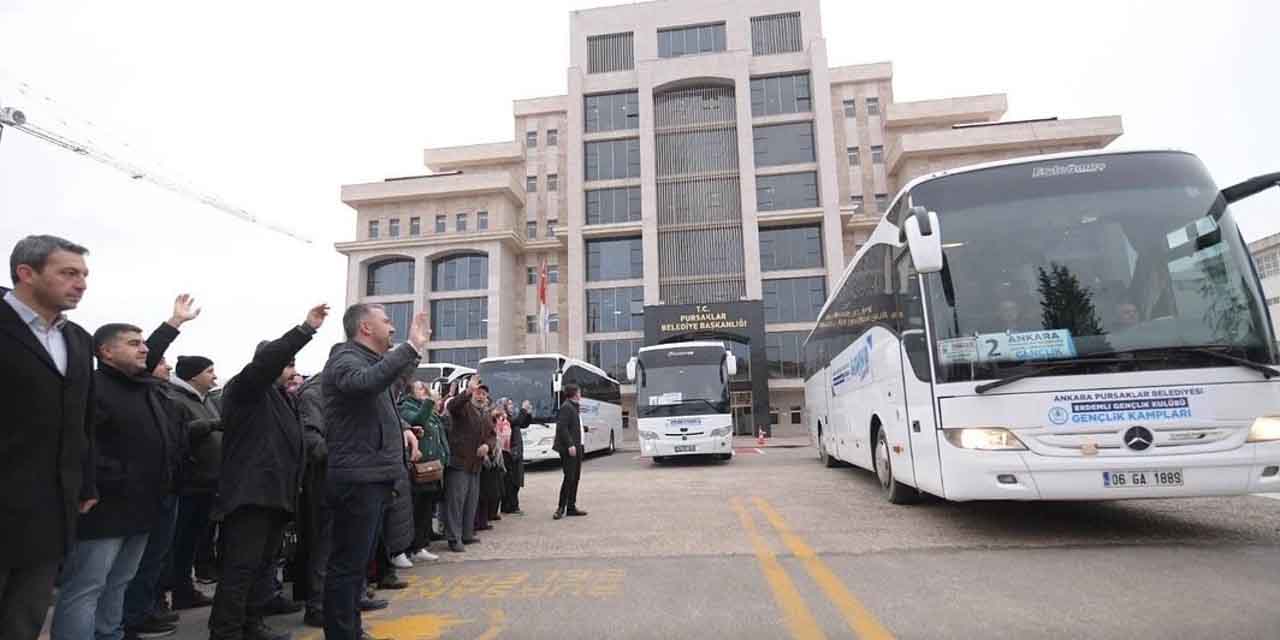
(130, 482)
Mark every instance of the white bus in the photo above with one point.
(1069, 327)
(682, 399)
(539, 379)
(440, 374)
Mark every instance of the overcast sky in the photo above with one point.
(273, 105)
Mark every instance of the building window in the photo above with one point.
(460, 273)
(790, 248)
(415, 226)
(615, 259)
(784, 353)
(530, 323)
(612, 111)
(401, 314)
(441, 222)
(531, 139)
(553, 182)
(390, 277)
(553, 137)
(612, 355)
(482, 220)
(553, 274)
(531, 230)
(610, 206)
(393, 228)
(532, 275)
(779, 33)
(780, 94)
(626, 420)
(1268, 264)
(462, 222)
(612, 52)
(850, 108)
(780, 144)
(882, 202)
(773, 416)
(551, 229)
(531, 183)
(613, 159)
(873, 106)
(460, 319)
(856, 199)
(610, 310)
(465, 357)
(877, 154)
(553, 323)
(787, 191)
(797, 415)
(794, 299)
(687, 41)
(373, 229)
(854, 160)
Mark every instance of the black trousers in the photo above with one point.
(572, 467)
(510, 502)
(317, 534)
(424, 507)
(358, 509)
(25, 594)
(251, 539)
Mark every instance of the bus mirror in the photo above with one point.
(731, 364)
(631, 369)
(924, 240)
(555, 382)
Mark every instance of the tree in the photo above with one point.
(1064, 304)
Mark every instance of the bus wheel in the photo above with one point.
(894, 491)
(659, 459)
(725, 457)
(827, 459)
(612, 448)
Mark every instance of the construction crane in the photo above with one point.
(13, 118)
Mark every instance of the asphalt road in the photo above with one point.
(774, 545)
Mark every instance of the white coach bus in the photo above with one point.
(440, 374)
(539, 379)
(682, 399)
(1069, 327)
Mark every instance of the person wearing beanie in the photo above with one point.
(193, 378)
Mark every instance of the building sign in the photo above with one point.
(705, 319)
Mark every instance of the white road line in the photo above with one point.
(1273, 496)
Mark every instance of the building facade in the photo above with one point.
(1266, 259)
(708, 174)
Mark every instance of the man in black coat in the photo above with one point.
(568, 444)
(194, 377)
(46, 457)
(137, 454)
(262, 465)
(366, 451)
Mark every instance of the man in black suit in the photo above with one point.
(46, 457)
(568, 444)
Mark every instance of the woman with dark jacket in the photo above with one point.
(513, 456)
(493, 471)
(418, 409)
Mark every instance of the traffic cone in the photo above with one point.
(760, 437)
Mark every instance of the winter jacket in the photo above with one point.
(519, 423)
(139, 447)
(433, 444)
(364, 433)
(568, 429)
(46, 442)
(203, 429)
(311, 414)
(262, 450)
(469, 428)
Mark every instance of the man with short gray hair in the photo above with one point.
(46, 456)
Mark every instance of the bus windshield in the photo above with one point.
(523, 379)
(682, 382)
(1110, 254)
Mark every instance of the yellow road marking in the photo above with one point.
(497, 624)
(799, 619)
(860, 619)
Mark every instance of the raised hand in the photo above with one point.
(316, 316)
(184, 310)
(527, 406)
(419, 332)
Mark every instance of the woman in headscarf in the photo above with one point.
(491, 476)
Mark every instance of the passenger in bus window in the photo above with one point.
(1126, 315)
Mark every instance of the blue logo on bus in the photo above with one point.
(1059, 415)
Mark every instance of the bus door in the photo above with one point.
(921, 420)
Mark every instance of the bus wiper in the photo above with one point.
(702, 400)
(1053, 366)
(1208, 352)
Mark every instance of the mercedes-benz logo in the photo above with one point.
(1139, 438)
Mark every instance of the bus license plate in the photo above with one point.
(1142, 479)
(686, 448)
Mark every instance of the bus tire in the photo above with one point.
(659, 459)
(895, 492)
(828, 460)
(724, 457)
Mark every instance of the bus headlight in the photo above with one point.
(648, 435)
(1265, 429)
(985, 439)
(721, 432)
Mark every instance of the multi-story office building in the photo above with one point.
(1266, 259)
(707, 174)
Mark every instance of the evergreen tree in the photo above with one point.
(1065, 304)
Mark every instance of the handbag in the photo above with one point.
(427, 472)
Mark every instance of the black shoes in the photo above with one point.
(279, 605)
(456, 546)
(472, 540)
(392, 581)
(484, 528)
(574, 511)
(373, 604)
(193, 599)
(258, 630)
(559, 514)
(150, 628)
